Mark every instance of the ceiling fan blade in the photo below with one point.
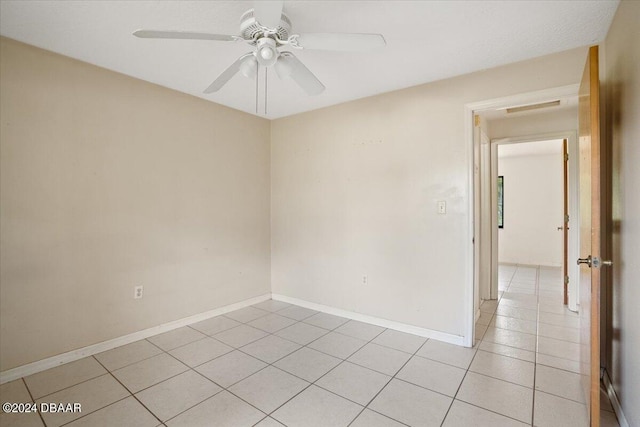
(183, 35)
(342, 42)
(268, 12)
(227, 74)
(290, 66)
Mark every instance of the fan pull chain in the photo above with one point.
(257, 73)
(265, 90)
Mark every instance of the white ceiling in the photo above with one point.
(426, 41)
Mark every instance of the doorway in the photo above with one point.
(530, 203)
(556, 343)
(540, 205)
(482, 276)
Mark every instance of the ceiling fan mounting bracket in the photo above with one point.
(251, 30)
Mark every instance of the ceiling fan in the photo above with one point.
(268, 29)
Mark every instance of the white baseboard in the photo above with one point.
(613, 397)
(60, 359)
(530, 264)
(402, 327)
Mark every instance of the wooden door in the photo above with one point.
(590, 225)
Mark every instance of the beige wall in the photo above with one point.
(533, 209)
(108, 182)
(621, 84)
(354, 192)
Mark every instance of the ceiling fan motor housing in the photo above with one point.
(250, 29)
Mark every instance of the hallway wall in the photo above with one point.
(621, 84)
(533, 207)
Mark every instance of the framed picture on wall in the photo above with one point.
(501, 201)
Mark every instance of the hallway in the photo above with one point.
(529, 346)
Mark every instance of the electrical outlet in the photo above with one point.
(364, 279)
(442, 207)
(137, 292)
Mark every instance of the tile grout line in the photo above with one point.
(478, 349)
(93, 412)
(460, 386)
(330, 370)
(128, 364)
(215, 394)
(275, 367)
(492, 411)
(535, 365)
(33, 400)
(539, 311)
(268, 415)
(263, 368)
(365, 407)
(563, 397)
(174, 376)
(68, 387)
(131, 394)
(500, 379)
(233, 349)
(469, 368)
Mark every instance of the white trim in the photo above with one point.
(469, 255)
(402, 327)
(477, 316)
(60, 359)
(574, 223)
(613, 398)
(493, 201)
(524, 98)
(547, 136)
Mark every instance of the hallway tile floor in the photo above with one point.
(276, 364)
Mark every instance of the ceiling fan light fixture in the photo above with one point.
(266, 51)
(266, 28)
(284, 66)
(249, 66)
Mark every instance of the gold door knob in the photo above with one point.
(586, 260)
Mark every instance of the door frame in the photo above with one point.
(574, 209)
(470, 109)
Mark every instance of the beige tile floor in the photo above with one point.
(276, 364)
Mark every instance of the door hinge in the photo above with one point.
(476, 120)
(566, 280)
(566, 157)
(566, 219)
